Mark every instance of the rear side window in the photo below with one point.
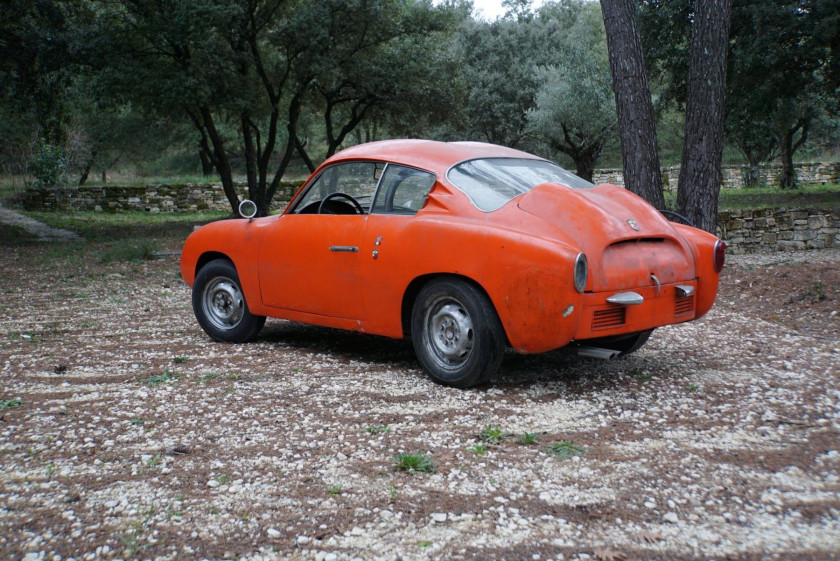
(403, 190)
(491, 182)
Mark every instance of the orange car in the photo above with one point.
(466, 248)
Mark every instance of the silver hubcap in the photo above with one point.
(450, 332)
(223, 303)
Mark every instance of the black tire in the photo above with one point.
(456, 333)
(625, 344)
(220, 306)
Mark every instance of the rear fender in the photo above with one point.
(702, 246)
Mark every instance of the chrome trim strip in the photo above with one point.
(626, 299)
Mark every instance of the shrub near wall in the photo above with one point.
(149, 198)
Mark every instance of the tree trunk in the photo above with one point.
(753, 175)
(636, 123)
(86, 171)
(585, 157)
(220, 158)
(301, 150)
(788, 148)
(788, 178)
(206, 163)
(700, 174)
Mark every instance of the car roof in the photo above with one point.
(427, 154)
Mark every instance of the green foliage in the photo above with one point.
(158, 379)
(414, 462)
(47, 166)
(816, 292)
(207, 377)
(335, 490)
(772, 98)
(492, 434)
(243, 73)
(478, 449)
(180, 359)
(574, 107)
(9, 404)
(378, 429)
(565, 449)
(528, 438)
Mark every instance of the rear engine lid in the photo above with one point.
(629, 244)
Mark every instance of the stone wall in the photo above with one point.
(745, 231)
(779, 229)
(148, 198)
(733, 177)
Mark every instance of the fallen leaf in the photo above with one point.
(648, 537)
(609, 554)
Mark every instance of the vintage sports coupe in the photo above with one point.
(466, 248)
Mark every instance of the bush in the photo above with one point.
(47, 166)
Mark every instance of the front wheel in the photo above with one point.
(456, 333)
(220, 306)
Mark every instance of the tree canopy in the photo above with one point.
(251, 89)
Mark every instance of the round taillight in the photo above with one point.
(581, 272)
(720, 255)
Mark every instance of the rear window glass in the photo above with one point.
(491, 182)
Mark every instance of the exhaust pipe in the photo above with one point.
(597, 352)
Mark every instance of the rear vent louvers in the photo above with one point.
(609, 317)
(684, 306)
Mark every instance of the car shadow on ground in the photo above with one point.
(574, 373)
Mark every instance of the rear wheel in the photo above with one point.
(456, 333)
(220, 306)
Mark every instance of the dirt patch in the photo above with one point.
(127, 433)
(789, 292)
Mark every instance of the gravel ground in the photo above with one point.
(126, 433)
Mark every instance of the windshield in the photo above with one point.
(492, 182)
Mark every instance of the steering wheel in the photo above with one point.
(341, 195)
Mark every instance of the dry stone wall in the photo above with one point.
(149, 198)
(779, 229)
(745, 231)
(734, 177)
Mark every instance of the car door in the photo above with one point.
(309, 256)
(388, 251)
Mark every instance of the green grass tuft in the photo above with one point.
(492, 434)
(527, 438)
(565, 449)
(158, 379)
(416, 462)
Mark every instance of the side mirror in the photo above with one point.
(248, 209)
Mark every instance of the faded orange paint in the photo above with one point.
(522, 255)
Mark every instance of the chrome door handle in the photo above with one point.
(344, 248)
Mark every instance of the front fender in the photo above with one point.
(237, 240)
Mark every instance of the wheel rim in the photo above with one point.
(449, 333)
(223, 303)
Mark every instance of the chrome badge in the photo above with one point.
(632, 223)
